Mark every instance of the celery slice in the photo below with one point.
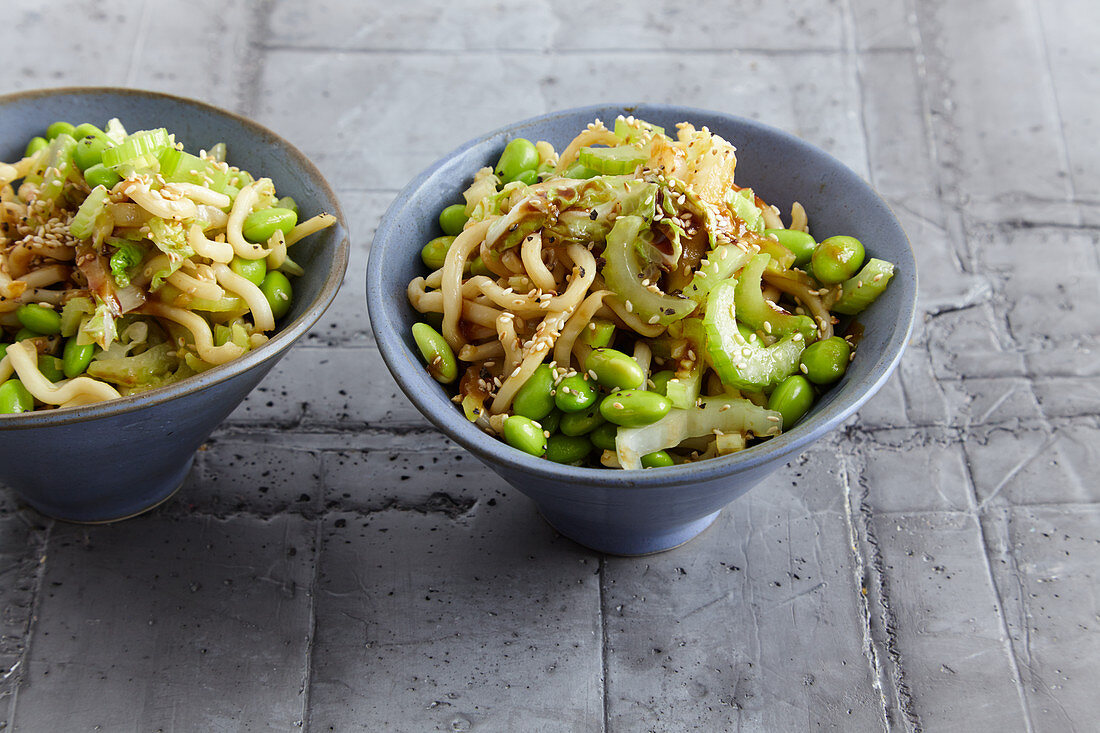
(138, 150)
(738, 362)
(624, 275)
(638, 130)
(83, 223)
(755, 311)
(743, 204)
(612, 161)
(722, 262)
(182, 167)
(860, 291)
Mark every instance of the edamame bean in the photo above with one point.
(524, 434)
(598, 333)
(792, 399)
(529, 178)
(533, 399)
(478, 267)
(35, 144)
(50, 366)
(436, 352)
(434, 253)
(579, 423)
(59, 128)
(276, 288)
(660, 381)
(89, 151)
(86, 129)
(286, 202)
(824, 362)
(603, 437)
(25, 333)
(254, 271)
(569, 449)
(575, 393)
(519, 155)
(550, 422)
(800, 243)
(453, 219)
(101, 175)
(15, 398)
(75, 358)
(657, 459)
(39, 319)
(837, 259)
(262, 223)
(577, 171)
(614, 369)
(634, 408)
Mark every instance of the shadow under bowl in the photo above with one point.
(640, 512)
(114, 459)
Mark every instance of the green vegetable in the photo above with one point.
(533, 399)
(286, 202)
(626, 276)
(837, 259)
(568, 449)
(575, 394)
(528, 178)
(14, 398)
(580, 423)
(276, 288)
(801, 244)
(39, 319)
(578, 171)
(101, 175)
(87, 129)
(525, 435)
(638, 130)
(152, 367)
(634, 408)
(58, 166)
(519, 155)
(76, 357)
(826, 361)
(614, 369)
(254, 271)
(178, 166)
(260, 225)
(25, 333)
(137, 151)
(59, 128)
(35, 144)
(860, 291)
(792, 399)
(436, 352)
(755, 311)
(452, 220)
(84, 221)
(434, 253)
(738, 362)
(660, 381)
(598, 333)
(50, 366)
(718, 266)
(603, 437)
(612, 161)
(657, 459)
(743, 204)
(550, 422)
(89, 150)
(684, 387)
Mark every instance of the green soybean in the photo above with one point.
(254, 271)
(39, 319)
(660, 381)
(15, 398)
(550, 422)
(524, 434)
(434, 253)
(36, 143)
(657, 459)
(614, 369)
(824, 362)
(101, 175)
(598, 333)
(59, 128)
(26, 333)
(792, 398)
(75, 358)
(286, 202)
(569, 449)
(529, 178)
(519, 155)
(276, 288)
(603, 437)
(837, 259)
(87, 129)
(533, 399)
(800, 243)
(262, 223)
(453, 219)
(436, 352)
(50, 366)
(478, 267)
(634, 408)
(89, 151)
(575, 393)
(579, 423)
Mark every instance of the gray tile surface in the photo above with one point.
(334, 564)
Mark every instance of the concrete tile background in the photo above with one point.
(334, 564)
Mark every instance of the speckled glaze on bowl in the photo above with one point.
(639, 512)
(115, 459)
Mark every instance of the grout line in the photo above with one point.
(311, 639)
(32, 618)
(583, 52)
(605, 650)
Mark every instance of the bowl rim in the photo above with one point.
(281, 341)
(498, 454)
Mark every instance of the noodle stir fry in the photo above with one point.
(626, 304)
(127, 263)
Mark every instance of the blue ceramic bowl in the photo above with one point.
(637, 512)
(115, 459)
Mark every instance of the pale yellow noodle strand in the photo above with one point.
(771, 218)
(6, 369)
(216, 251)
(586, 138)
(632, 321)
(152, 201)
(531, 254)
(246, 200)
(506, 334)
(24, 358)
(277, 244)
(198, 194)
(200, 331)
(808, 297)
(576, 324)
(45, 276)
(195, 287)
(252, 296)
(309, 226)
(799, 221)
(451, 285)
(481, 352)
(542, 345)
(584, 274)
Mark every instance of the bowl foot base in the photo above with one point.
(630, 542)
